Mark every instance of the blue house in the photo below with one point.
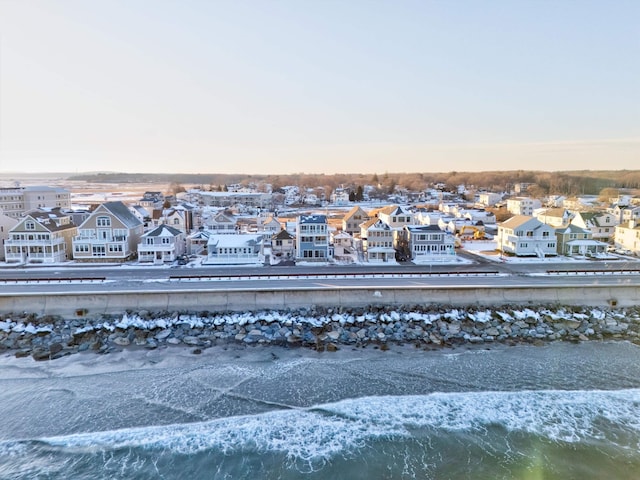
(312, 238)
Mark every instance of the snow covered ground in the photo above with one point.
(487, 249)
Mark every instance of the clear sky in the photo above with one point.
(349, 86)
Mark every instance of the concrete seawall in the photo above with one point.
(76, 304)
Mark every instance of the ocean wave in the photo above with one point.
(323, 431)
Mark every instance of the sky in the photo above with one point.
(318, 86)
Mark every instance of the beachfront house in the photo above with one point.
(627, 237)
(523, 235)
(283, 245)
(41, 236)
(312, 238)
(110, 234)
(425, 243)
(576, 241)
(236, 249)
(161, 245)
(377, 241)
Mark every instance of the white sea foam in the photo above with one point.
(320, 432)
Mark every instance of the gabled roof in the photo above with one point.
(571, 228)
(163, 231)
(353, 211)
(282, 235)
(394, 210)
(123, 213)
(375, 223)
(519, 220)
(49, 219)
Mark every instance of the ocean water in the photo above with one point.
(559, 411)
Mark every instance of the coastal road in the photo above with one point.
(179, 281)
(133, 272)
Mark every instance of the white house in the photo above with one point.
(523, 205)
(627, 237)
(343, 247)
(238, 249)
(162, 244)
(556, 217)
(489, 198)
(523, 235)
(601, 224)
(396, 216)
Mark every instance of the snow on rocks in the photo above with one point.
(316, 327)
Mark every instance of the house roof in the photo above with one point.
(282, 235)
(394, 210)
(355, 210)
(571, 228)
(517, 221)
(232, 241)
(375, 223)
(423, 228)
(163, 231)
(123, 213)
(312, 219)
(49, 219)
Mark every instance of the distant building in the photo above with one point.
(16, 201)
(523, 205)
(6, 224)
(489, 199)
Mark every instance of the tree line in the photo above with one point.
(587, 182)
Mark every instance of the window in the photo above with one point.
(30, 226)
(103, 222)
(166, 240)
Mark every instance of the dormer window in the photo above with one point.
(103, 222)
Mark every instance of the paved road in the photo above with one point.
(128, 272)
(314, 280)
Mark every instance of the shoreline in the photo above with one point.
(50, 337)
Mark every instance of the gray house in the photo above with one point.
(162, 244)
